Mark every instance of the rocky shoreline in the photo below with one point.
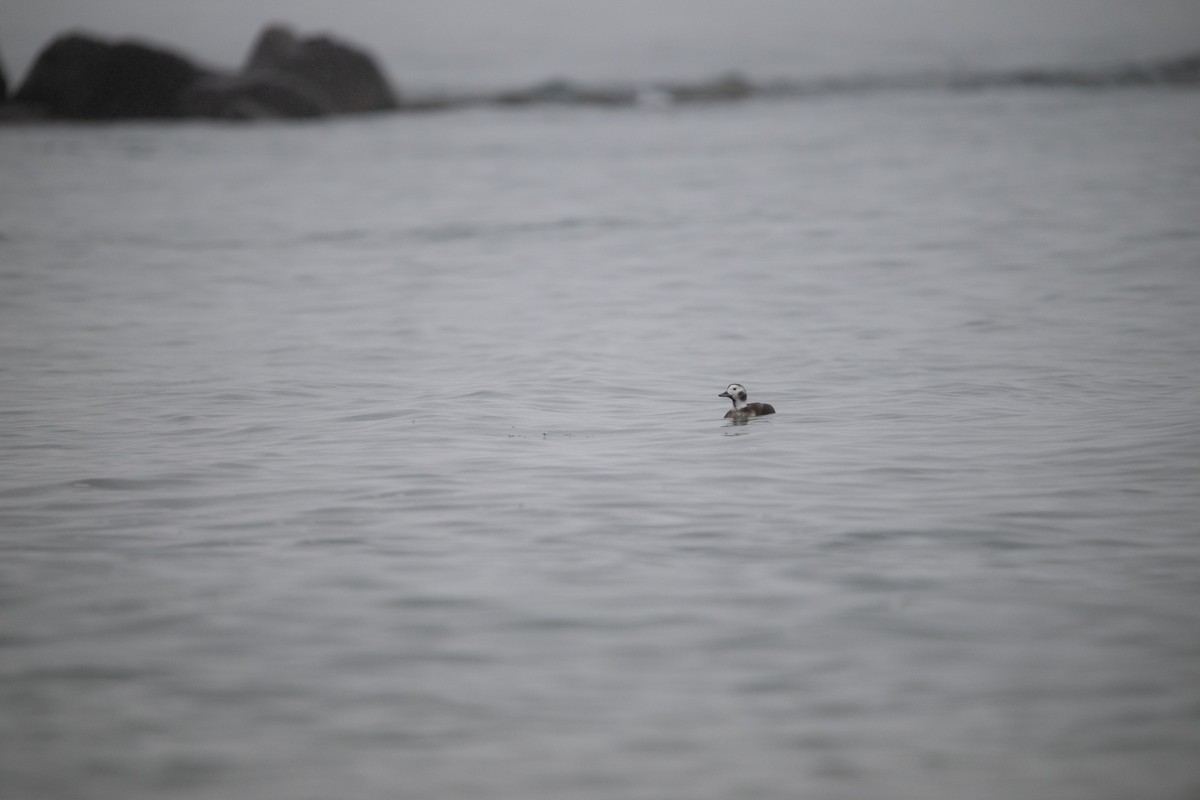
(80, 77)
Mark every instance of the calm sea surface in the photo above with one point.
(383, 458)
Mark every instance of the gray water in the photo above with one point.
(383, 458)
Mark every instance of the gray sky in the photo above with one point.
(498, 41)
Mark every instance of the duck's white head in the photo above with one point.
(737, 393)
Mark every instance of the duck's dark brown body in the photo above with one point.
(750, 410)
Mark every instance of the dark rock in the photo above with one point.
(563, 92)
(247, 97)
(79, 77)
(334, 77)
(724, 89)
(67, 77)
(84, 78)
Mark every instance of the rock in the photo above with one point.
(79, 77)
(332, 75)
(563, 92)
(84, 78)
(256, 97)
(730, 87)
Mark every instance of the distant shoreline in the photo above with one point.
(81, 77)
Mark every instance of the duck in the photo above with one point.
(741, 409)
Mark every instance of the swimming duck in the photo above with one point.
(741, 409)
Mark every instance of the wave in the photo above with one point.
(1181, 71)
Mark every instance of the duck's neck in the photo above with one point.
(739, 405)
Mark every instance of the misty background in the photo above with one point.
(456, 44)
